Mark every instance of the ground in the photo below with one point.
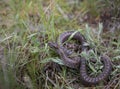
(26, 27)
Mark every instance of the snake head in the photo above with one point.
(53, 45)
(58, 49)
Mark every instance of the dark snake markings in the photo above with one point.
(64, 37)
(86, 79)
(72, 63)
(77, 62)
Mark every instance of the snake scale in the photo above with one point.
(80, 62)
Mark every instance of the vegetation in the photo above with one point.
(26, 26)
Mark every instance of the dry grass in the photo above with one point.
(26, 26)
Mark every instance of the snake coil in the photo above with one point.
(80, 62)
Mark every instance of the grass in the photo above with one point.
(25, 29)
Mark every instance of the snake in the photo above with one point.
(74, 35)
(80, 62)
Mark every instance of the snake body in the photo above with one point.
(87, 80)
(64, 36)
(72, 63)
(76, 35)
(79, 62)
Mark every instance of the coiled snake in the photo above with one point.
(80, 62)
